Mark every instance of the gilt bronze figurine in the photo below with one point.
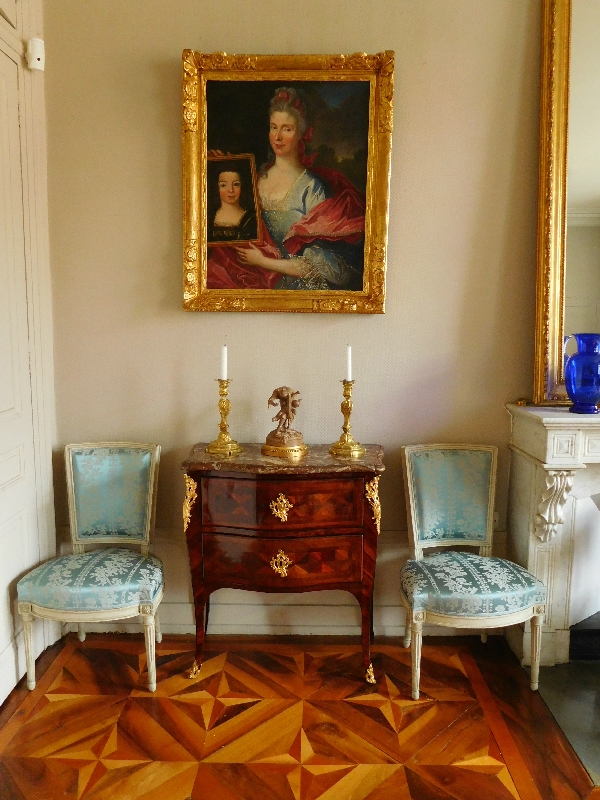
(284, 442)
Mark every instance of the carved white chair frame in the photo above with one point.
(147, 611)
(413, 631)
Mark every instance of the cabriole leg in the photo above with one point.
(417, 642)
(149, 636)
(536, 646)
(366, 623)
(27, 617)
(201, 602)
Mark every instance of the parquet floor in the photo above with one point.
(283, 721)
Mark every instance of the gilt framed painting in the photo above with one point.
(286, 163)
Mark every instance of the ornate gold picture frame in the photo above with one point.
(548, 378)
(319, 130)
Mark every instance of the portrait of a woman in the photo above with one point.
(230, 214)
(313, 218)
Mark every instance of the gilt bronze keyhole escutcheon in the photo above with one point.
(280, 564)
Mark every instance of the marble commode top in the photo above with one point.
(318, 460)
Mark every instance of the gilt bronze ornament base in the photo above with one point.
(285, 444)
(194, 671)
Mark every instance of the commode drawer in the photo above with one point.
(281, 505)
(282, 563)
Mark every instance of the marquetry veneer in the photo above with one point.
(287, 719)
(269, 525)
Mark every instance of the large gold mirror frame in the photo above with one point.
(548, 383)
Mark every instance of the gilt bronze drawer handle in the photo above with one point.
(280, 507)
(280, 564)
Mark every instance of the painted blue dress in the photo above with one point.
(328, 265)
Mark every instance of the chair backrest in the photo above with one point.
(450, 492)
(112, 492)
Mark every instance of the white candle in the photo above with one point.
(349, 364)
(224, 363)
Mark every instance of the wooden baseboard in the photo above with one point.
(270, 618)
(12, 661)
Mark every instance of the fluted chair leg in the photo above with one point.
(407, 632)
(149, 636)
(81, 632)
(536, 646)
(28, 637)
(484, 636)
(158, 630)
(417, 641)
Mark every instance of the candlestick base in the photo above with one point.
(346, 447)
(221, 448)
(224, 445)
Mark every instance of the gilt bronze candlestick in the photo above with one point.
(224, 445)
(346, 447)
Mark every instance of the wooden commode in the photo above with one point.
(271, 525)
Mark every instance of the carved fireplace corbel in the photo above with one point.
(559, 483)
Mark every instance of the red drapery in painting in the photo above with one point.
(339, 218)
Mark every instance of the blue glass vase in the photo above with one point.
(582, 374)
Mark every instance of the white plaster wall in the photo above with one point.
(583, 190)
(582, 287)
(456, 341)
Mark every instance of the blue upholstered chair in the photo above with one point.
(112, 496)
(450, 501)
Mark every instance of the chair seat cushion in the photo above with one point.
(94, 581)
(463, 584)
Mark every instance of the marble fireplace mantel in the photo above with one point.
(550, 446)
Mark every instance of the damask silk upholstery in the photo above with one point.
(451, 490)
(101, 579)
(464, 584)
(112, 487)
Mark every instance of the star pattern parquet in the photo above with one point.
(273, 721)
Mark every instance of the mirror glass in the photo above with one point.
(582, 254)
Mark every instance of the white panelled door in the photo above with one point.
(8, 9)
(19, 544)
